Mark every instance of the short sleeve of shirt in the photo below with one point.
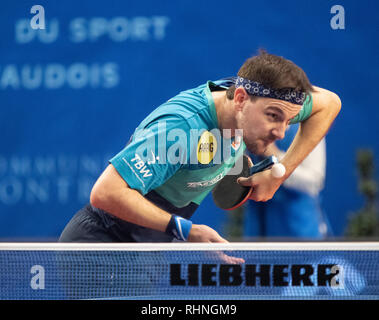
(154, 154)
(305, 111)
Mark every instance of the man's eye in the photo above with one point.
(273, 116)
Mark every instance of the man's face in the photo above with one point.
(264, 121)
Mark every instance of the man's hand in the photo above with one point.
(263, 184)
(203, 233)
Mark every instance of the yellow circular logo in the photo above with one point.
(206, 148)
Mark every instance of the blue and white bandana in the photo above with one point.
(259, 90)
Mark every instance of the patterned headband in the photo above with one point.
(257, 89)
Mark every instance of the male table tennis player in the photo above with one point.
(147, 196)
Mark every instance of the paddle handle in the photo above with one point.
(263, 165)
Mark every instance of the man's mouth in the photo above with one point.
(268, 141)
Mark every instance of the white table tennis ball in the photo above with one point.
(278, 170)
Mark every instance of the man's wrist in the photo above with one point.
(179, 227)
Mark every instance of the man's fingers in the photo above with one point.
(250, 162)
(229, 259)
(247, 182)
(219, 239)
(234, 260)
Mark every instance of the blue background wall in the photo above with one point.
(71, 96)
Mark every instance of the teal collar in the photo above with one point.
(211, 103)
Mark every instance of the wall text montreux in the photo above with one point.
(256, 275)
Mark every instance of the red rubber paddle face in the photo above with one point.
(228, 194)
(240, 203)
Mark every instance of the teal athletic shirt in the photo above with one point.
(177, 154)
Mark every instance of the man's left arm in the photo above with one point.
(326, 106)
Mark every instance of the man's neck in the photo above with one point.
(224, 111)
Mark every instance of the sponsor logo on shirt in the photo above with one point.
(140, 165)
(206, 183)
(206, 148)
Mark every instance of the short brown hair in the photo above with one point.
(274, 72)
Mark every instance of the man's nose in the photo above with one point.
(280, 131)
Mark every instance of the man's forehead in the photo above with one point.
(285, 106)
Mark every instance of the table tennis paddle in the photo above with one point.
(228, 194)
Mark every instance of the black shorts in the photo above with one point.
(88, 226)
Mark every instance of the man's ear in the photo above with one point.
(240, 96)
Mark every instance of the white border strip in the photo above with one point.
(248, 246)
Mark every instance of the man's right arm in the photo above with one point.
(112, 194)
